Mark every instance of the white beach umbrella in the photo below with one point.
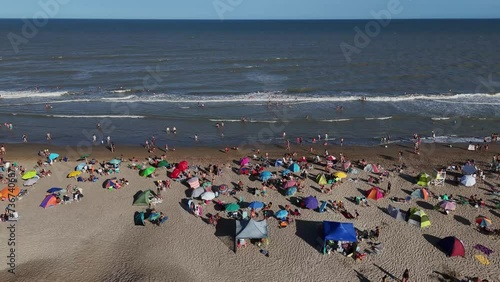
(208, 196)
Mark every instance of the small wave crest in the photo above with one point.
(378, 118)
(95, 116)
(336, 120)
(30, 94)
(440, 118)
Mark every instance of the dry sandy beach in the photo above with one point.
(96, 239)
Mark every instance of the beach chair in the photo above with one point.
(322, 207)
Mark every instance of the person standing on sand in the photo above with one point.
(25, 138)
(48, 136)
(406, 275)
(94, 139)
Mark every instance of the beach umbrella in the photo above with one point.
(29, 174)
(31, 181)
(162, 164)
(447, 205)
(256, 205)
(54, 190)
(84, 156)
(232, 207)
(208, 196)
(110, 183)
(53, 156)
(346, 165)
(182, 166)
(197, 192)
(289, 183)
(80, 166)
(281, 214)
(74, 174)
(244, 161)
(114, 161)
(265, 175)
(311, 202)
(340, 174)
(291, 191)
(146, 172)
(483, 221)
(468, 180)
(468, 170)
(286, 172)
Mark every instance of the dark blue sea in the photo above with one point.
(136, 78)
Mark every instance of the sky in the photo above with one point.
(250, 9)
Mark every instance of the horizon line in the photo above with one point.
(220, 20)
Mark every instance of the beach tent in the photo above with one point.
(281, 214)
(53, 156)
(321, 179)
(423, 179)
(468, 170)
(74, 174)
(232, 207)
(311, 203)
(279, 162)
(8, 193)
(294, 167)
(375, 193)
(193, 182)
(291, 191)
(471, 147)
(452, 246)
(371, 168)
(175, 173)
(182, 166)
(421, 194)
(419, 218)
(339, 231)
(143, 198)
(396, 213)
(114, 161)
(139, 218)
(251, 229)
(50, 200)
(468, 180)
(286, 172)
(244, 161)
(265, 175)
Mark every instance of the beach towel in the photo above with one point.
(482, 259)
(483, 249)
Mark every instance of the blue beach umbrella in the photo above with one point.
(311, 203)
(80, 166)
(291, 191)
(114, 161)
(54, 190)
(281, 214)
(256, 205)
(53, 156)
(265, 175)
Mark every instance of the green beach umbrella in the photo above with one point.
(29, 174)
(114, 161)
(162, 164)
(146, 172)
(232, 207)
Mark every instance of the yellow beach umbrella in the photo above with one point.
(74, 174)
(340, 174)
(30, 174)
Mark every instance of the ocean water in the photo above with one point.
(136, 78)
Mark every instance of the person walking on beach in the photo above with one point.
(94, 139)
(48, 136)
(108, 140)
(196, 137)
(406, 275)
(25, 138)
(341, 142)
